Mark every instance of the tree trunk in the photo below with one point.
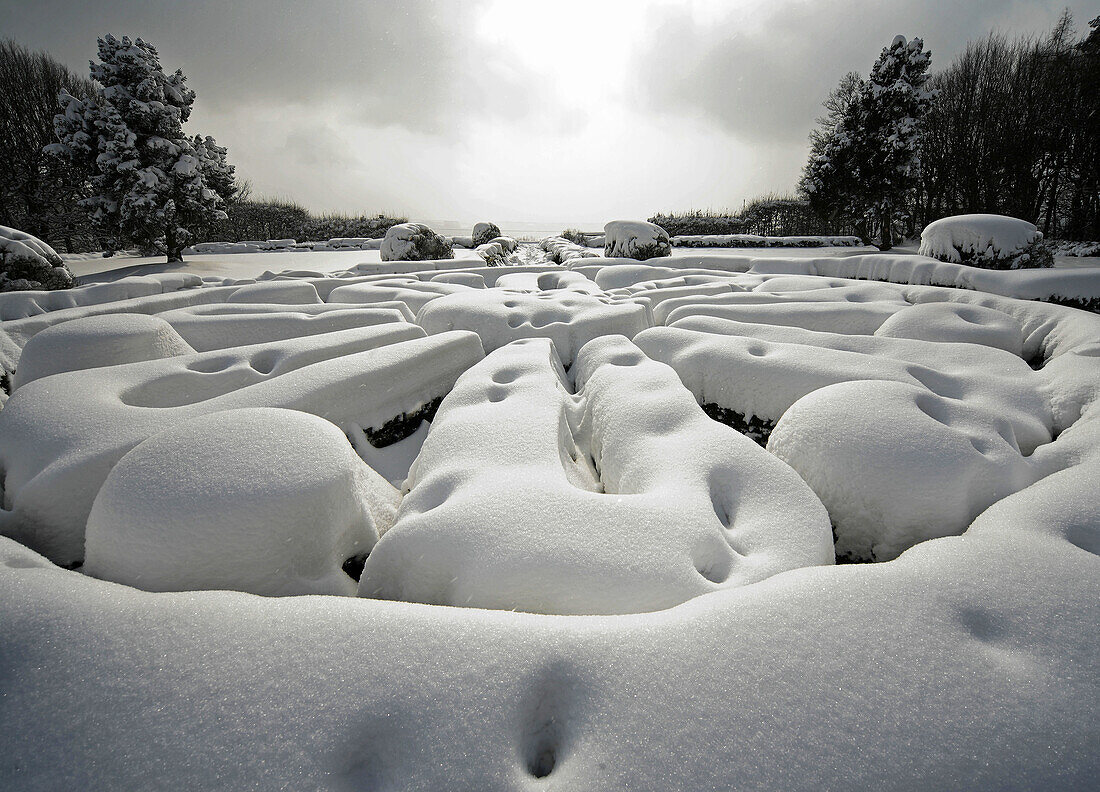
(887, 231)
(172, 245)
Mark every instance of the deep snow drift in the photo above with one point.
(601, 502)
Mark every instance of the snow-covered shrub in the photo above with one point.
(262, 500)
(27, 262)
(414, 242)
(484, 232)
(561, 250)
(508, 243)
(636, 240)
(986, 240)
(492, 252)
(1065, 247)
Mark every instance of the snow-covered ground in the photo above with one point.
(594, 512)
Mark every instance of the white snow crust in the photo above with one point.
(574, 573)
(260, 500)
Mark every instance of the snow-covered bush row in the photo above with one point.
(414, 242)
(756, 241)
(28, 263)
(362, 378)
(412, 292)
(622, 497)
(275, 245)
(951, 431)
(261, 500)
(21, 304)
(985, 240)
(1078, 287)
(226, 325)
(562, 251)
(499, 316)
(988, 636)
(1065, 247)
(635, 239)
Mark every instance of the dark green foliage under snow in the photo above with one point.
(771, 215)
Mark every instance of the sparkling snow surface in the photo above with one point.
(592, 510)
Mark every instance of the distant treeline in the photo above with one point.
(40, 194)
(1013, 128)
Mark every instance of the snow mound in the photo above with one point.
(283, 292)
(622, 497)
(916, 467)
(227, 325)
(369, 381)
(26, 263)
(499, 316)
(635, 239)
(412, 292)
(262, 500)
(955, 322)
(985, 240)
(414, 242)
(94, 341)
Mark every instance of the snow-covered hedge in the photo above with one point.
(263, 500)
(985, 240)
(26, 263)
(282, 245)
(755, 241)
(636, 240)
(1065, 247)
(561, 250)
(415, 242)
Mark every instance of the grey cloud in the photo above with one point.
(411, 63)
(763, 79)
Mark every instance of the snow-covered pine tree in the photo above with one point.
(148, 179)
(862, 168)
(895, 101)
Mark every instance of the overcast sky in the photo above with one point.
(572, 111)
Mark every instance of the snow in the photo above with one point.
(635, 239)
(970, 324)
(94, 341)
(499, 316)
(357, 379)
(977, 236)
(621, 497)
(921, 407)
(260, 500)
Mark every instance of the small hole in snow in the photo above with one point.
(542, 763)
(354, 566)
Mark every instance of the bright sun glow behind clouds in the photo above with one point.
(575, 112)
(581, 150)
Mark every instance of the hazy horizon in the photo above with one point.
(568, 114)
